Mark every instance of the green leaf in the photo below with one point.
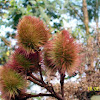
(44, 15)
(29, 8)
(12, 2)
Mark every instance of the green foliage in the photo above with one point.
(51, 11)
(4, 50)
(12, 11)
(93, 9)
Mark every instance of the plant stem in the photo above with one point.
(41, 74)
(41, 83)
(34, 81)
(37, 95)
(37, 79)
(62, 76)
(49, 88)
(39, 65)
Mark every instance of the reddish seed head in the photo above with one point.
(64, 53)
(46, 56)
(10, 82)
(32, 33)
(22, 61)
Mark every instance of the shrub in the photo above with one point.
(36, 53)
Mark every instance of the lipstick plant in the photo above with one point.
(36, 54)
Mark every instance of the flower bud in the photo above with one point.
(63, 52)
(10, 83)
(32, 33)
(22, 61)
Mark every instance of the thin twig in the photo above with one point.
(37, 79)
(37, 95)
(77, 13)
(34, 81)
(41, 76)
(41, 83)
(49, 88)
(39, 65)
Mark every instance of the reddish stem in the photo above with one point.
(41, 73)
(49, 88)
(37, 95)
(40, 67)
(25, 96)
(41, 83)
(34, 81)
(62, 76)
(37, 79)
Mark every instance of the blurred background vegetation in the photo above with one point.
(80, 17)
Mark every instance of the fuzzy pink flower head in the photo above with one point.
(65, 53)
(32, 33)
(10, 83)
(49, 65)
(22, 61)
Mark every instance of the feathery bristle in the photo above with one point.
(10, 82)
(46, 57)
(64, 53)
(22, 61)
(32, 33)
